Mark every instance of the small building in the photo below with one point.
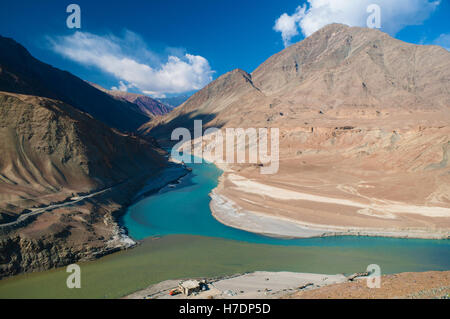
(190, 286)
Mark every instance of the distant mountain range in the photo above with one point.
(148, 106)
(174, 101)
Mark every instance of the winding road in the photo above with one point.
(40, 210)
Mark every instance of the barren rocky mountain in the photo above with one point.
(22, 73)
(148, 106)
(364, 125)
(68, 167)
(338, 74)
(48, 146)
(54, 153)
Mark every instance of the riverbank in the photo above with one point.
(83, 229)
(301, 203)
(291, 285)
(184, 256)
(229, 213)
(311, 200)
(255, 285)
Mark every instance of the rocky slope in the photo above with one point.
(51, 152)
(22, 73)
(48, 145)
(363, 118)
(339, 74)
(215, 100)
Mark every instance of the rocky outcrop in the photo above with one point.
(18, 254)
(84, 231)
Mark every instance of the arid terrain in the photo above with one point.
(288, 285)
(68, 169)
(53, 153)
(364, 142)
(364, 124)
(426, 285)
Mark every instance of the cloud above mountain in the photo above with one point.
(129, 60)
(315, 14)
(443, 40)
(288, 24)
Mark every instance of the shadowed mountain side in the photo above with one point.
(162, 131)
(231, 90)
(22, 73)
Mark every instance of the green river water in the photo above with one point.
(180, 239)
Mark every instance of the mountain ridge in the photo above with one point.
(53, 153)
(21, 73)
(339, 71)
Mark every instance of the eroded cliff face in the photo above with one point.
(18, 254)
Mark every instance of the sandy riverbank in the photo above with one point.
(252, 215)
(255, 285)
(310, 200)
(274, 285)
(229, 213)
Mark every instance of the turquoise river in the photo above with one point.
(179, 238)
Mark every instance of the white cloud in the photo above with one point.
(443, 40)
(133, 64)
(395, 15)
(122, 87)
(287, 24)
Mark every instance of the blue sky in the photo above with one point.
(127, 44)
